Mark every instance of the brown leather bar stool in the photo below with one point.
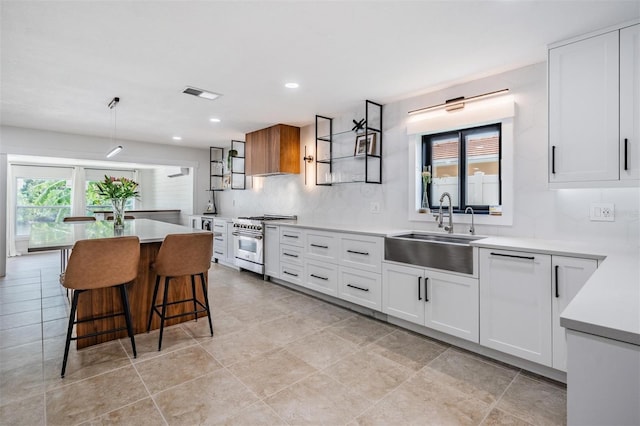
(64, 253)
(101, 263)
(182, 255)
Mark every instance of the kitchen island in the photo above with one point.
(62, 236)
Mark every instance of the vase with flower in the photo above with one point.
(118, 191)
(426, 180)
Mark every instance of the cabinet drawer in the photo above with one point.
(322, 277)
(292, 236)
(291, 254)
(361, 252)
(292, 273)
(322, 246)
(360, 287)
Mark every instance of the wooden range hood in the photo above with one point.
(273, 151)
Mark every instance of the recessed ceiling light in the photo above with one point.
(206, 94)
(214, 120)
(292, 85)
(177, 138)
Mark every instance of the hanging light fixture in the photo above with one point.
(112, 105)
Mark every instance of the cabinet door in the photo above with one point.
(322, 277)
(361, 252)
(321, 245)
(231, 257)
(452, 305)
(360, 287)
(515, 307)
(292, 273)
(293, 236)
(403, 292)
(630, 102)
(272, 251)
(291, 254)
(569, 275)
(583, 110)
(219, 240)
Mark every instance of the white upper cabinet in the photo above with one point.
(630, 102)
(593, 108)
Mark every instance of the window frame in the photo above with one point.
(462, 134)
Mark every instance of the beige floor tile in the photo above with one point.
(321, 349)
(223, 323)
(258, 312)
(297, 303)
(259, 414)
(319, 400)
(240, 346)
(16, 307)
(327, 314)
(174, 338)
(53, 328)
(84, 363)
(78, 402)
(266, 290)
(271, 372)
(287, 329)
(140, 413)
(370, 374)
(536, 402)
(55, 312)
(500, 418)
(361, 330)
(19, 356)
(210, 399)
(411, 350)
(25, 288)
(425, 398)
(22, 296)
(174, 368)
(48, 302)
(20, 335)
(17, 280)
(27, 412)
(473, 375)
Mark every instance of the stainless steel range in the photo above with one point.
(248, 240)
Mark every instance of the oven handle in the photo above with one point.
(238, 234)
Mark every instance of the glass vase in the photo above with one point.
(118, 212)
(424, 206)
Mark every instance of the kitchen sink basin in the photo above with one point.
(446, 252)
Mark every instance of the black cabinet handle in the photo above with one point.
(271, 227)
(290, 255)
(626, 152)
(319, 246)
(419, 287)
(217, 252)
(513, 255)
(357, 288)
(364, 253)
(319, 277)
(553, 159)
(556, 272)
(290, 236)
(219, 239)
(426, 291)
(290, 273)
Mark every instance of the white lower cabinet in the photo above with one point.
(292, 273)
(322, 277)
(441, 301)
(272, 251)
(360, 287)
(569, 275)
(220, 240)
(515, 304)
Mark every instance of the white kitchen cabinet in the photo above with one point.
(292, 236)
(292, 273)
(360, 287)
(630, 103)
(569, 275)
(321, 277)
(593, 109)
(441, 301)
(321, 245)
(361, 252)
(291, 254)
(515, 304)
(231, 257)
(219, 240)
(272, 251)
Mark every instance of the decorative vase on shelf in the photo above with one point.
(118, 212)
(424, 206)
(426, 180)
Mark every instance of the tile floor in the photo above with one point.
(277, 358)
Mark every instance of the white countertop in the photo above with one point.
(353, 229)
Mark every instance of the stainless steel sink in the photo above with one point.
(447, 252)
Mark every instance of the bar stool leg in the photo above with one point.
(193, 294)
(72, 315)
(127, 317)
(153, 302)
(164, 310)
(206, 301)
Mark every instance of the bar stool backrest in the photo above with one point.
(184, 254)
(102, 262)
(79, 219)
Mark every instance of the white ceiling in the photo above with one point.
(63, 61)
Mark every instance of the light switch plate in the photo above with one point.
(602, 212)
(374, 207)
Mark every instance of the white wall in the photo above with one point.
(539, 211)
(163, 192)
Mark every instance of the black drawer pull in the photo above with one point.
(426, 294)
(319, 246)
(290, 273)
(556, 272)
(364, 253)
(626, 152)
(289, 236)
(513, 255)
(271, 227)
(419, 287)
(553, 159)
(219, 252)
(319, 277)
(357, 288)
(290, 255)
(219, 239)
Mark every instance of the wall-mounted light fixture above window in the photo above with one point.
(458, 103)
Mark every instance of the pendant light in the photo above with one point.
(112, 105)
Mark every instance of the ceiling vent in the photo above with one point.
(201, 93)
(184, 171)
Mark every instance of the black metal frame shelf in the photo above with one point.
(238, 146)
(216, 160)
(325, 143)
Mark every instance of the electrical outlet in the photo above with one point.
(602, 212)
(374, 207)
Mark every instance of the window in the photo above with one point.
(95, 202)
(466, 164)
(41, 200)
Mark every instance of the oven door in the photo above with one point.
(247, 250)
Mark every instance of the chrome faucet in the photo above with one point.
(450, 227)
(472, 229)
